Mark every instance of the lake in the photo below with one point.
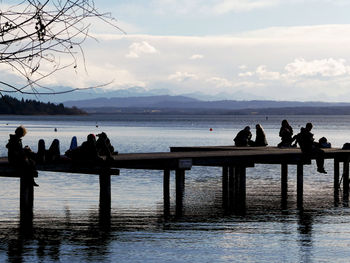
(68, 226)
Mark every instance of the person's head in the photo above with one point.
(285, 123)
(322, 140)
(91, 138)
(102, 135)
(247, 128)
(20, 131)
(308, 126)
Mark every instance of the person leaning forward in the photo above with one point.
(244, 137)
(22, 159)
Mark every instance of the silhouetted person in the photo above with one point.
(104, 146)
(41, 154)
(260, 139)
(73, 143)
(86, 152)
(243, 137)
(323, 143)
(53, 153)
(286, 134)
(307, 144)
(22, 159)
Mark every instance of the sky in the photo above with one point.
(236, 49)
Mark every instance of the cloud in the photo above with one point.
(220, 82)
(182, 76)
(328, 67)
(246, 74)
(227, 6)
(264, 74)
(138, 48)
(196, 56)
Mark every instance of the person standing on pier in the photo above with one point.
(308, 146)
(22, 159)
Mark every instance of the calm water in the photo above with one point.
(67, 225)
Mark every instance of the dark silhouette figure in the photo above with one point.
(323, 143)
(21, 158)
(50, 155)
(286, 134)
(104, 146)
(73, 143)
(86, 152)
(53, 153)
(260, 139)
(308, 146)
(41, 154)
(243, 137)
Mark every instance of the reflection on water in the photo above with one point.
(69, 226)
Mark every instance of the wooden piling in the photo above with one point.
(26, 194)
(336, 181)
(105, 190)
(166, 191)
(179, 178)
(231, 187)
(284, 181)
(225, 187)
(346, 181)
(300, 184)
(242, 192)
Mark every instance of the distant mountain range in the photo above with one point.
(167, 104)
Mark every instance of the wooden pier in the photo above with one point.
(233, 160)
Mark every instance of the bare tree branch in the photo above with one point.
(34, 34)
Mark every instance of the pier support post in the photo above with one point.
(105, 191)
(225, 187)
(241, 188)
(284, 185)
(231, 188)
(180, 186)
(336, 181)
(346, 181)
(26, 196)
(300, 184)
(166, 192)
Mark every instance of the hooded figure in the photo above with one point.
(286, 134)
(243, 137)
(260, 139)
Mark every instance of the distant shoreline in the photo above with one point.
(341, 110)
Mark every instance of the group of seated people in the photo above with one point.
(305, 140)
(24, 159)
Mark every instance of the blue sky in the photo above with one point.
(241, 49)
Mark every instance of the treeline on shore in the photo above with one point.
(10, 105)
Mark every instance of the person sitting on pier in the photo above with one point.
(51, 155)
(86, 152)
(308, 146)
(260, 139)
(104, 146)
(21, 158)
(243, 138)
(286, 134)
